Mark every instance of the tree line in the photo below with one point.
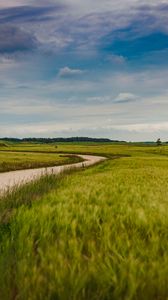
(62, 140)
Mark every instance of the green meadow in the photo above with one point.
(11, 160)
(94, 234)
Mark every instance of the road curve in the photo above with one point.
(16, 178)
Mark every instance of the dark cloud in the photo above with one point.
(13, 39)
(128, 34)
(20, 30)
(27, 13)
(110, 31)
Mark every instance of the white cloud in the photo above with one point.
(121, 98)
(98, 99)
(68, 72)
(144, 127)
(116, 59)
(125, 98)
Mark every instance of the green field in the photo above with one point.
(11, 161)
(94, 234)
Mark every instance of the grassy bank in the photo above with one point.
(11, 161)
(100, 233)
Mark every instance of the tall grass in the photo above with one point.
(100, 233)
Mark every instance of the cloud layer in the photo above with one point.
(84, 67)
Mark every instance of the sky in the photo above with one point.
(84, 68)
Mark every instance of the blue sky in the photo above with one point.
(84, 68)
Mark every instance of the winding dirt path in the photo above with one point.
(15, 178)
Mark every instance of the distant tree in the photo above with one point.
(158, 142)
